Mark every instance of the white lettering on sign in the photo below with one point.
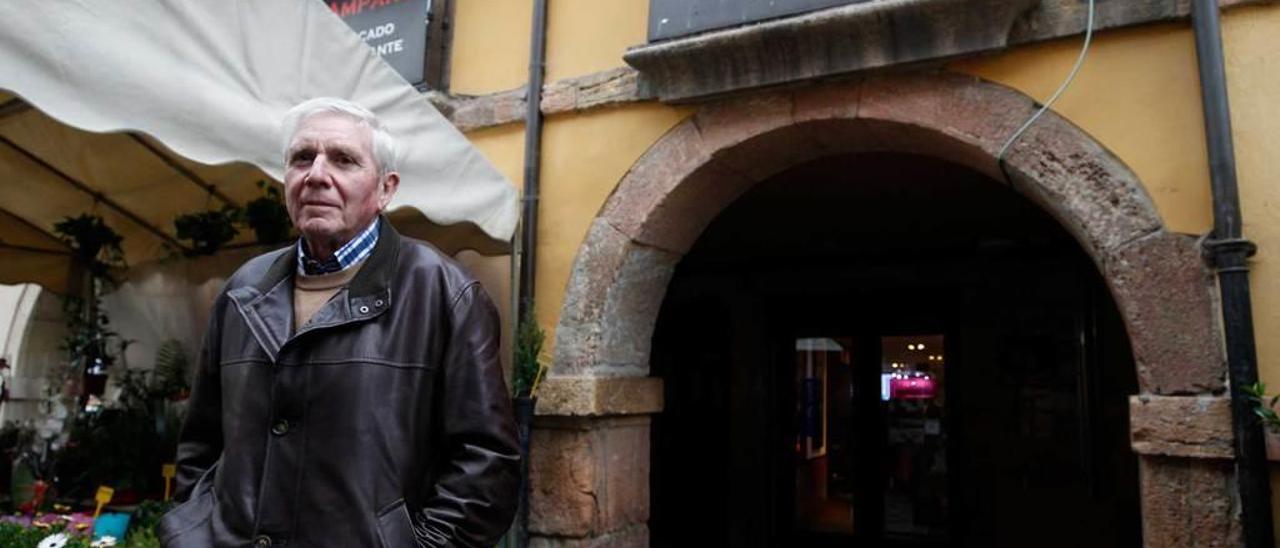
(394, 46)
(380, 31)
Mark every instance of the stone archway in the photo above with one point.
(593, 429)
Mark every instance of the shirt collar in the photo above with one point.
(349, 254)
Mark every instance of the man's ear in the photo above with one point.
(389, 184)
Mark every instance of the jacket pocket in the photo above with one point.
(395, 527)
(190, 524)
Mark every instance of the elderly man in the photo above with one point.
(349, 392)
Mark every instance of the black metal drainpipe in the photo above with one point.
(529, 225)
(1228, 251)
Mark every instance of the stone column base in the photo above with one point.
(1184, 444)
(589, 462)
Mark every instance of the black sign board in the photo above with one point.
(675, 18)
(395, 29)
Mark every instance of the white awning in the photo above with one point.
(141, 111)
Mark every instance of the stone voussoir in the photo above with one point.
(1181, 426)
(963, 107)
(680, 216)
(1168, 298)
(727, 123)
(1093, 194)
(666, 164)
(596, 267)
(631, 310)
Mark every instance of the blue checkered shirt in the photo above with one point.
(349, 254)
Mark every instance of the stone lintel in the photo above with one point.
(870, 35)
(1181, 426)
(584, 396)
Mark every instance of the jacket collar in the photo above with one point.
(267, 305)
(373, 276)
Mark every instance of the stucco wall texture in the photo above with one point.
(1138, 94)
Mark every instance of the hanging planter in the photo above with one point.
(208, 231)
(268, 216)
(94, 244)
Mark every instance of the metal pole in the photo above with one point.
(1229, 251)
(529, 232)
(532, 158)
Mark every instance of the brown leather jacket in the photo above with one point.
(385, 421)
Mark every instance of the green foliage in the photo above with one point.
(142, 526)
(120, 448)
(528, 367)
(95, 245)
(267, 215)
(208, 230)
(88, 333)
(171, 366)
(147, 515)
(1263, 407)
(126, 445)
(14, 535)
(143, 538)
(18, 536)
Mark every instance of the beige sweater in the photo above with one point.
(312, 292)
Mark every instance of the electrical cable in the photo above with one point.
(1084, 51)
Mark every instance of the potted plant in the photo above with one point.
(94, 245)
(90, 344)
(126, 442)
(527, 372)
(208, 231)
(267, 215)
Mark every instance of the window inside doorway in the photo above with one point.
(823, 415)
(871, 437)
(915, 487)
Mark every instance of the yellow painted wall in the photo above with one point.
(586, 36)
(490, 45)
(1253, 76)
(491, 40)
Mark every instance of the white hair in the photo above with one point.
(384, 145)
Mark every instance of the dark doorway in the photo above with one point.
(889, 350)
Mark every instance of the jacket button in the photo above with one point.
(280, 428)
(262, 540)
(364, 310)
(377, 303)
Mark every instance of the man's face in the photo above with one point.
(331, 181)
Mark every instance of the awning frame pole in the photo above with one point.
(98, 196)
